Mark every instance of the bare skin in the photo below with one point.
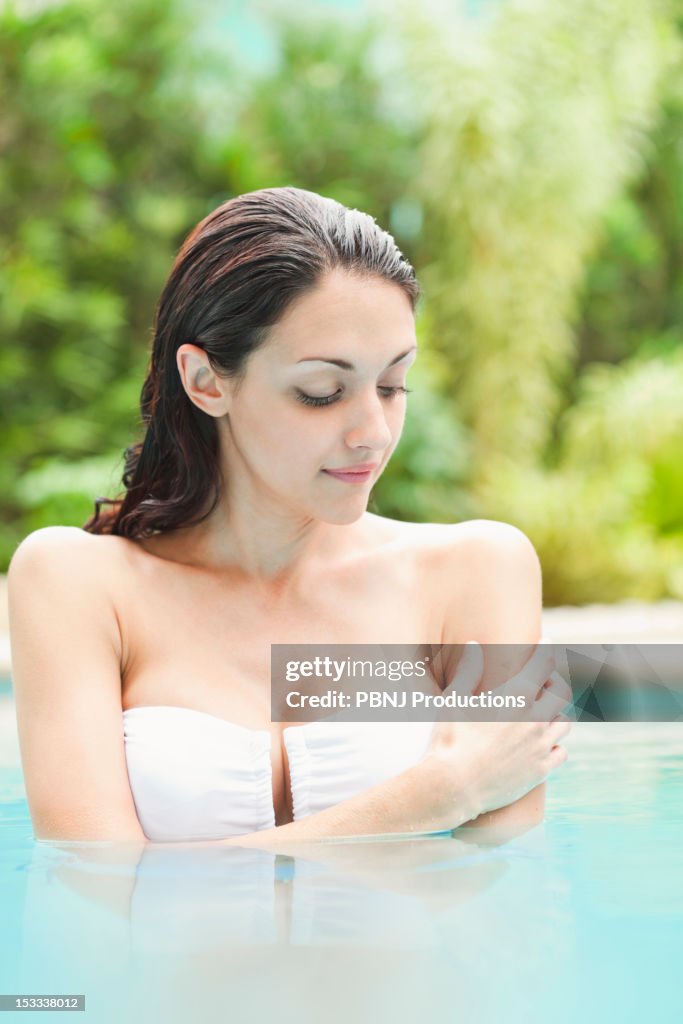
(201, 661)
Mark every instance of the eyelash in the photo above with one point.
(330, 399)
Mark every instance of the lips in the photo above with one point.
(362, 467)
(355, 474)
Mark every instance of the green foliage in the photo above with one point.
(537, 119)
(97, 187)
(607, 521)
(633, 290)
(322, 119)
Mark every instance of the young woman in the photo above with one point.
(275, 396)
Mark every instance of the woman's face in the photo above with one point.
(323, 395)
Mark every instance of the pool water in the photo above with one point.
(578, 919)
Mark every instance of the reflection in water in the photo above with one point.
(404, 926)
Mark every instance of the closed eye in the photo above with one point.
(319, 400)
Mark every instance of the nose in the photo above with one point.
(368, 427)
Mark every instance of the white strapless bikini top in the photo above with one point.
(196, 776)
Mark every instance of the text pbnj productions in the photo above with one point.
(401, 699)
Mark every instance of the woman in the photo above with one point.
(275, 397)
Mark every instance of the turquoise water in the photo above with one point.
(579, 919)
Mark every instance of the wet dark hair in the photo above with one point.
(233, 278)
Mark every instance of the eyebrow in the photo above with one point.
(343, 365)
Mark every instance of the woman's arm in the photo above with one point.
(494, 587)
(411, 802)
(66, 675)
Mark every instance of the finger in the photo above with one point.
(532, 676)
(556, 757)
(548, 706)
(552, 701)
(559, 685)
(557, 731)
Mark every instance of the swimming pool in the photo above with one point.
(579, 919)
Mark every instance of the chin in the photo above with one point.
(344, 516)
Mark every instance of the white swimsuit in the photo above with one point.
(196, 776)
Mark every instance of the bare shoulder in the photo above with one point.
(486, 537)
(489, 578)
(70, 553)
(477, 539)
(481, 577)
(68, 564)
(58, 544)
(446, 542)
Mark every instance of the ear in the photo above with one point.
(209, 392)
